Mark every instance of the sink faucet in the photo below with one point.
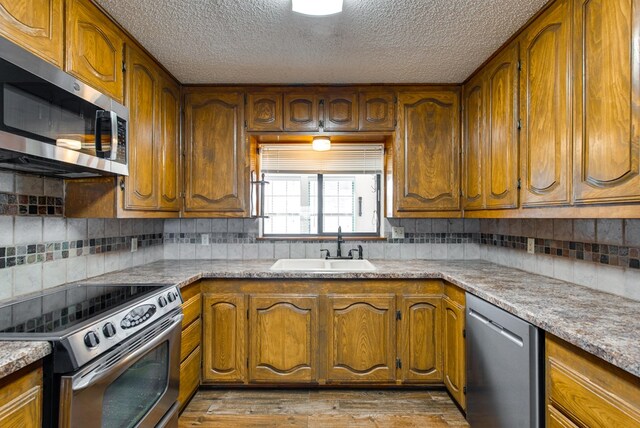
(339, 249)
(340, 241)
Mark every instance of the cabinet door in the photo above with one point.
(224, 338)
(284, 334)
(36, 25)
(169, 144)
(606, 97)
(377, 111)
(454, 350)
(301, 112)
(419, 339)
(501, 160)
(21, 400)
(141, 189)
(474, 143)
(217, 155)
(264, 111)
(362, 342)
(545, 106)
(426, 153)
(94, 48)
(341, 111)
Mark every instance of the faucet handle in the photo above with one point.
(328, 253)
(358, 249)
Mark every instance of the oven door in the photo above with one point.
(134, 385)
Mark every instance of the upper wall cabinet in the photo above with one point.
(94, 48)
(377, 111)
(216, 155)
(501, 159)
(301, 111)
(341, 111)
(264, 111)
(427, 154)
(169, 173)
(606, 50)
(36, 25)
(474, 143)
(545, 108)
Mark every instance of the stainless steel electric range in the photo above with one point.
(116, 352)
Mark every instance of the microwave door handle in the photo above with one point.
(98, 142)
(114, 135)
(83, 381)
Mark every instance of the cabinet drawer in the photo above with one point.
(189, 377)
(191, 309)
(190, 338)
(557, 419)
(589, 391)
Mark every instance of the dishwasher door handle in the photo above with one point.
(497, 328)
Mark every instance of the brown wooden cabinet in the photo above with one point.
(21, 398)
(377, 111)
(420, 339)
(224, 338)
(190, 350)
(453, 308)
(36, 25)
(545, 108)
(583, 390)
(283, 331)
(361, 338)
(427, 154)
(264, 111)
(501, 159)
(340, 111)
(216, 155)
(169, 169)
(474, 143)
(94, 48)
(301, 111)
(606, 87)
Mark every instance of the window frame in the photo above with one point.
(321, 233)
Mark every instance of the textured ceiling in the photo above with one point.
(372, 41)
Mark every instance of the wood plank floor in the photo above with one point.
(321, 408)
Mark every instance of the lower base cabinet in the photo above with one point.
(190, 355)
(585, 391)
(21, 398)
(453, 309)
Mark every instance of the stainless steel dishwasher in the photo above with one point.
(504, 368)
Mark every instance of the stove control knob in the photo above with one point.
(109, 330)
(171, 296)
(162, 301)
(91, 339)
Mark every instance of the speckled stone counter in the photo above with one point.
(600, 323)
(16, 355)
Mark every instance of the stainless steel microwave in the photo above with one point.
(53, 124)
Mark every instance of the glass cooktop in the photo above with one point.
(61, 310)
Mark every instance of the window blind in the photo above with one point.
(342, 158)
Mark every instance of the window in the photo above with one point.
(314, 193)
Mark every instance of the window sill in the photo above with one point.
(320, 238)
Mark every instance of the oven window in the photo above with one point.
(132, 395)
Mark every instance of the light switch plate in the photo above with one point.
(531, 245)
(204, 239)
(397, 233)
(134, 245)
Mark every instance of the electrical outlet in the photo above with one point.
(204, 239)
(134, 245)
(397, 233)
(531, 245)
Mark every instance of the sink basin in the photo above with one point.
(323, 265)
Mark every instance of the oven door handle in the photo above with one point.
(84, 381)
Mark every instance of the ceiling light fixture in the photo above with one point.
(316, 7)
(321, 144)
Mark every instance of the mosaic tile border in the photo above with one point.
(249, 238)
(612, 255)
(18, 255)
(31, 205)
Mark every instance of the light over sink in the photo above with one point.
(323, 265)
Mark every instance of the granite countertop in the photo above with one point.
(16, 355)
(600, 323)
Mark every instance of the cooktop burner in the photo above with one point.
(61, 310)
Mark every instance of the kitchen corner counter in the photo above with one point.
(602, 324)
(16, 355)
